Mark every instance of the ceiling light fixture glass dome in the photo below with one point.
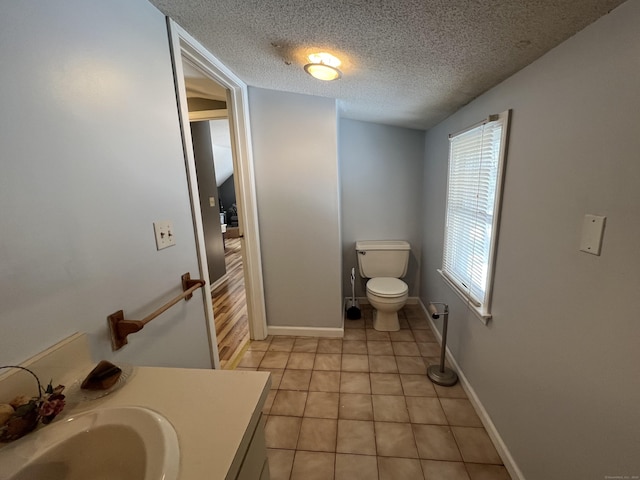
(323, 66)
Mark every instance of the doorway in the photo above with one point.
(228, 101)
(220, 219)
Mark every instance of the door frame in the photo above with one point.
(183, 45)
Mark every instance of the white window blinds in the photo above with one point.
(473, 194)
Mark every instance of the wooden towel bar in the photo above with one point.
(120, 327)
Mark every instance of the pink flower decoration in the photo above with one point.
(51, 407)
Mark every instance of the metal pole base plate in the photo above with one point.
(446, 378)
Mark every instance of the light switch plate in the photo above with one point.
(164, 234)
(212, 201)
(592, 232)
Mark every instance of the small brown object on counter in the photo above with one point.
(102, 377)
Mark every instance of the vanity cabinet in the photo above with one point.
(254, 464)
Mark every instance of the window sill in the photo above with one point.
(483, 315)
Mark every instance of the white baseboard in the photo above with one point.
(493, 433)
(218, 282)
(365, 300)
(306, 331)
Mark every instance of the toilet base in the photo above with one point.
(386, 321)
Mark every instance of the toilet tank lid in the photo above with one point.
(364, 245)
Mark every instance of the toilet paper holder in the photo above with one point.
(440, 374)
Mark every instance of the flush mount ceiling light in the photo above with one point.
(323, 66)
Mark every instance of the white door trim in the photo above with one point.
(184, 45)
(208, 115)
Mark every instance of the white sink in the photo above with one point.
(119, 443)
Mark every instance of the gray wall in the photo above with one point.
(295, 154)
(91, 157)
(381, 192)
(557, 367)
(207, 188)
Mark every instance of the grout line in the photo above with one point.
(369, 373)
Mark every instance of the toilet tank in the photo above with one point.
(383, 258)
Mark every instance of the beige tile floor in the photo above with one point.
(362, 407)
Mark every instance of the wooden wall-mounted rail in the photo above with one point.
(120, 327)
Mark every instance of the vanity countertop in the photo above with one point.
(214, 413)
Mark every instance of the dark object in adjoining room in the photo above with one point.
(232, 215)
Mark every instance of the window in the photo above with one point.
(476, 160)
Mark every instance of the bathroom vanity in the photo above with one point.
(216, 414)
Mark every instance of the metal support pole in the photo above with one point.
(440, 374)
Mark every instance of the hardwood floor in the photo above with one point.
(230, 307)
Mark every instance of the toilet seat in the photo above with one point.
(387, 287)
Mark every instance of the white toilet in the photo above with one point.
(384, 263)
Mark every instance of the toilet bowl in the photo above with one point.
(387, 295)
(384, 263)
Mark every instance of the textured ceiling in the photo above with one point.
(409, 63)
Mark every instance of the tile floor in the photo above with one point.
(362, 407)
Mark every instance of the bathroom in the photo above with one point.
(78, 242)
